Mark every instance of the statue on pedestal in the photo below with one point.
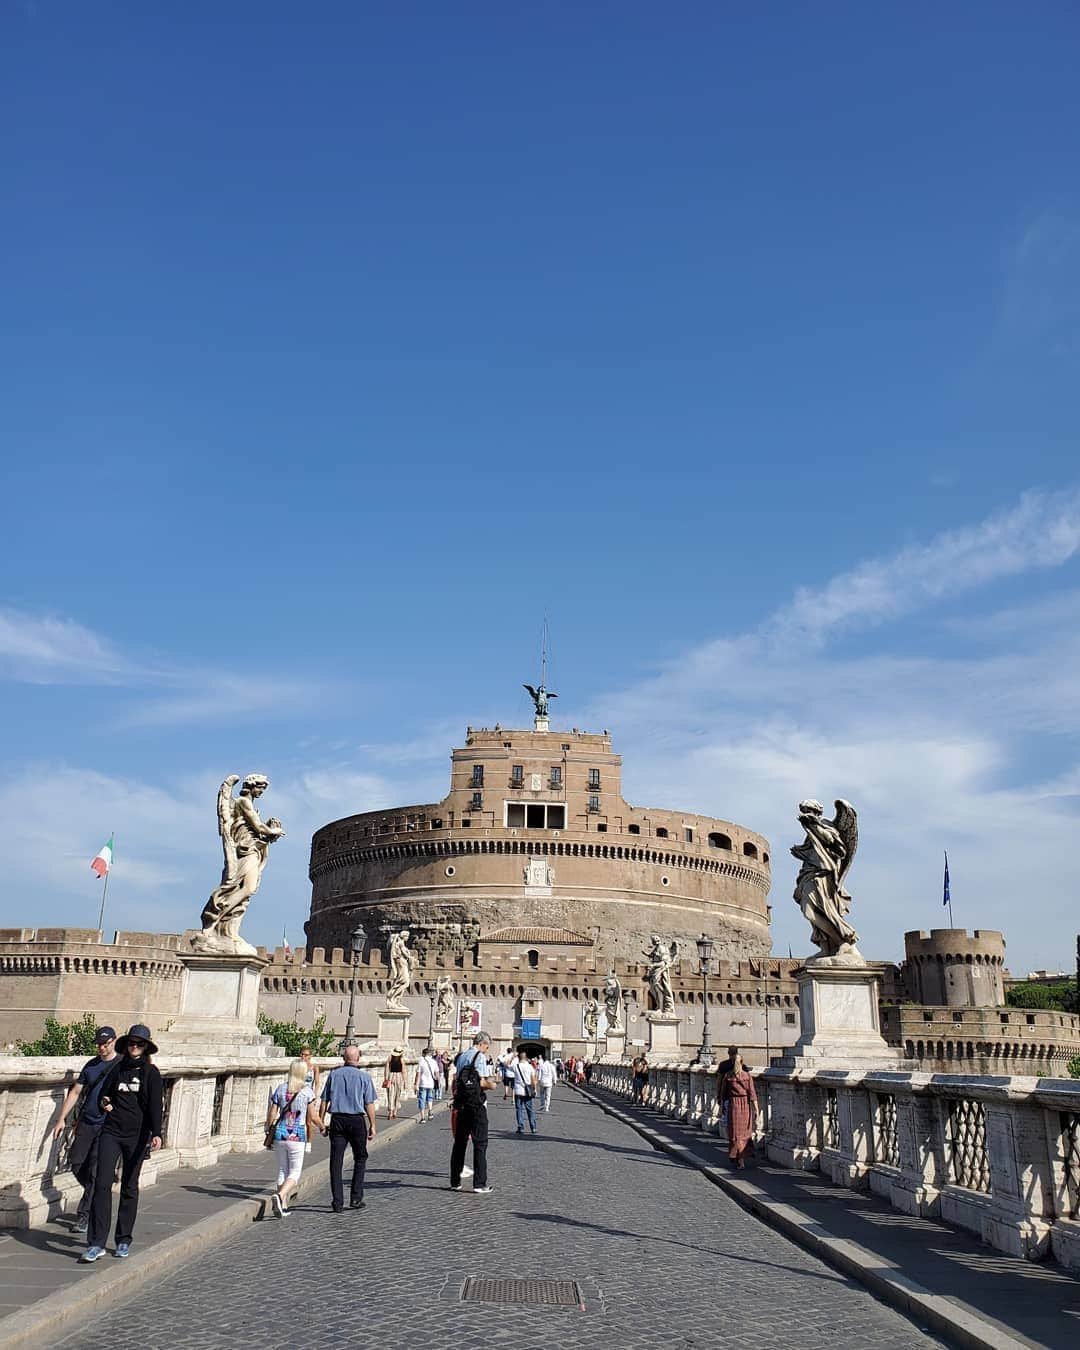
(613, 1002)
(444, 1003)
(246, 841)
(401, 963)
(591, 1019)
(826, 855)
(661, 958)
(540, 697)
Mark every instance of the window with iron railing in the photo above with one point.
(477, 776)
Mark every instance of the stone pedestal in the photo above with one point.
(663, 1034)
(394, 1028)
(616, 1045)
(442, 1038)
(218, 1009)
(838, 1004)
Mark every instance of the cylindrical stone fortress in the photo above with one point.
(534, 831)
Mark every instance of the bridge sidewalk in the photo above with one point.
(966, 1291)
(43, 1288)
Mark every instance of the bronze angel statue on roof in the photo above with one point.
(826, 855)
(540, 697)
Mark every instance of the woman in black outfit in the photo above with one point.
(131, 1098)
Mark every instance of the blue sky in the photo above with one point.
(338, 347)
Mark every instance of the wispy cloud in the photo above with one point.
(45, 649)
(1040, 303)
(1041, 531)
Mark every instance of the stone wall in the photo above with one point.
(946, 967)
(983, 1040)
(66, 972)
(302, 986)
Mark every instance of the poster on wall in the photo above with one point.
(469, 1017)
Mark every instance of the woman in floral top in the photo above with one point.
(291, 1114)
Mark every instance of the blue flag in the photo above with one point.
(945, 897)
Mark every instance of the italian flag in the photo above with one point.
(103, 862)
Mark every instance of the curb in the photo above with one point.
(886, 1281)
(49, 1317)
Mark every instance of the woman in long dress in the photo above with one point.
(737, 1092)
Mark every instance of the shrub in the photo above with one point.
(64, 1038)
(1073, 1067)
(291, 1037)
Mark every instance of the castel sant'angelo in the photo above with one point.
(535, 832)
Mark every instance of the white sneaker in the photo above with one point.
(466, 1171)
(483, 1190)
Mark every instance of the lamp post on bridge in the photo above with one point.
(357, 945)
(705, 951)
(627, 999)
(432, 995)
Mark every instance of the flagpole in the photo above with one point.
(105, 888)
(948, 892)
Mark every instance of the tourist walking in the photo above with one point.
(524, 1092)
(722, 1071)
(349, 1096)
(546, 1076)
(473, 1077)
(506, 1072)
(640, 1080)
(427, 1075)
(739, 1095)
(290, 1115)
(313, 1078)
(131, 1098)
(444, 1073)
(86, 1089)
(394, 1081)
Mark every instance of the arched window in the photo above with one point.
(749, 850)
(634, 829)
(717, 840)
(534, 958)
(661, 833)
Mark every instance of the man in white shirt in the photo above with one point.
(524, 1092)
(546, 1077)
(427, 1075)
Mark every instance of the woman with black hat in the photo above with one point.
(131, 1098)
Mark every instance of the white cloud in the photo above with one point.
(42, 649)
(946, 750)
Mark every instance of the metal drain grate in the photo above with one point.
(550, 1293)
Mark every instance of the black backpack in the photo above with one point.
(468, 1094)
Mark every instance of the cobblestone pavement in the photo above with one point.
(662, 1257)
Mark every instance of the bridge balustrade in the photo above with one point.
(998, 1156)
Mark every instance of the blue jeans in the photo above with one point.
(523, 1106)
(424, 1099)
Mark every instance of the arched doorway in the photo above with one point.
(538, 1045)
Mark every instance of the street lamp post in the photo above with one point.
(627, 997)
(357, 945)
(431, 1016)
(705, 950)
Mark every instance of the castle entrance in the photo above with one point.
(536, 1046)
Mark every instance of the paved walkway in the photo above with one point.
(660, 1254)
(1038, 1304)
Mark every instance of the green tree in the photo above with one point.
(64, 1038)
(291, 1037)
(1057, 997)
(1073, 1067)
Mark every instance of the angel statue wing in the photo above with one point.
(225, 821)
(846, 824)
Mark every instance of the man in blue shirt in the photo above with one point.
(349, 1095)
(82, 1156)
(470, 1113)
